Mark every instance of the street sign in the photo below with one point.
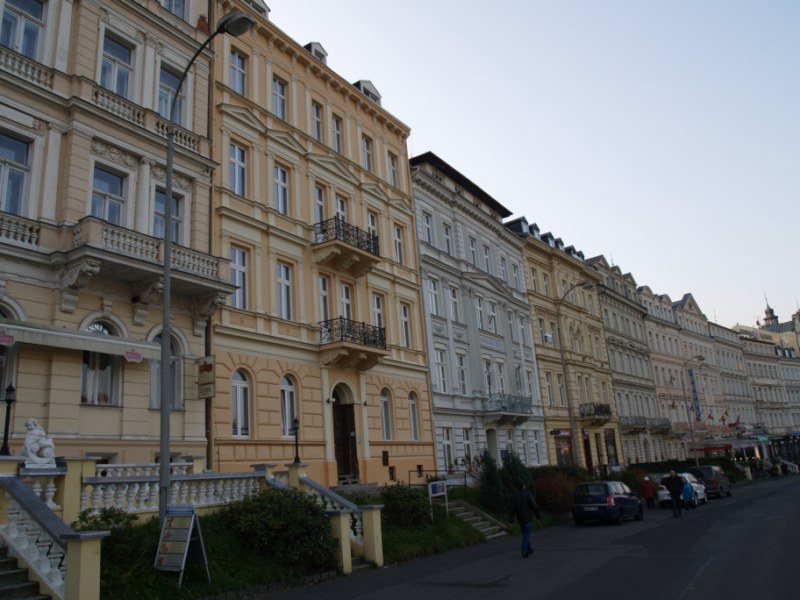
(206, 377)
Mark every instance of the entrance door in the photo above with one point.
(344, 439)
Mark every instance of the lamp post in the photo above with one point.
(701, 358)
(235, 23)
(11, 396)
(296, 431)
(573, 433)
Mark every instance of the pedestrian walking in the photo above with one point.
(524, 506)
(688, 495)
(648, 492)
(674, 485)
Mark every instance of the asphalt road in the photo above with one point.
(742, 547)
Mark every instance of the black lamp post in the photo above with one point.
(11, 396)
(296, 431)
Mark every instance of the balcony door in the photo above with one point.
(344, 435)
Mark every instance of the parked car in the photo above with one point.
(700, 492)
(714, 478)
(605, 501)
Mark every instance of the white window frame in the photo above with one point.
(176, 216)
(393, 179)
(316, 121)
(440, 358)
(346, 301)
(386, 415)
(453, 297)
(413, 417)
(237, 155)
(281, 189)
(240, 405)
(16, 172)
(366, 153)
(116, 72)
(461, 367)
(166, 91)
(238, 72)
(399, 245)
(284, 290)
(405, 322)
(336, 128)
(288, 400)
(377, 310)
(109, 199)
(279, 95)
(447, 233)
(239, 258)
(427, 228)
(25, 22)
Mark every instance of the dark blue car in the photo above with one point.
(605, 501)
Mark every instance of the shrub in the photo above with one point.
(287, 526)
(554, 491)
(493, 492)
(515, 472)
(405, 507)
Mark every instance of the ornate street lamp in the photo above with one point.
(296, 431)
(11, 396)
(235, 23)
(700, 358)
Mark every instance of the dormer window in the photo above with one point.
(317, 51)
(369, 90)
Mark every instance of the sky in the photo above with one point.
(664, 135)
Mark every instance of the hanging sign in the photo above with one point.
(180, 540)
(206, 377)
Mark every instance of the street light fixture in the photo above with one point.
(296, 431)
(234, 23)
(11, 396)
(700, 358)
(573, 433)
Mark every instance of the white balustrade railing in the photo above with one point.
(330, 500)
(141, 470)
(25, 68)
(19, 229)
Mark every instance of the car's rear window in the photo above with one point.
(591, 490)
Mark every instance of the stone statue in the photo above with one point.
(38, 449)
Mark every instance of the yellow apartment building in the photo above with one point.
(322, 343)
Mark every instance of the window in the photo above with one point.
(560, 383)
(372, 223)
(117, 66)
(398, 245)
(288, 409)
(23, 21)
(284, 291)
(427, 228)
(487, 260)
(501, 378)
(386, 414)
(14, 172)
(487, 375)
(548, 387)
(102, 373)
(281, 190)
(238, 72)
(239, 276)
(447, 447)
(238, 165)
(413, 420)
(176, 7)
(473, 251)
(546, 284)
(366, 153)
(441, 369)
(324, 298)
(479, 311)
(534, 286)
(377, 310)
(108, 202)
(523, 328)
(461, 367)
(446, 237)
(453, 294)
(515, 277)
(433, 296)
(493, 317)
(503, 268)
(346, 301)
(175, 377)
(468, 446)
(337, 134)
(279, 98)
(341, 208)
(175, 216)
(319, 203)
(405, 324)
(167, 88)
(316, 121)
(240, 405)
(542, 331)
(392, 167)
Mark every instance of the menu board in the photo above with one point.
(180, 538)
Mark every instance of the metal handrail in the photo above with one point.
(341, 230)
(346, 330)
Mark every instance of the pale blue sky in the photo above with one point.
(663, 134)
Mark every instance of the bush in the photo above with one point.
(493, 492)
(554, 491)
(405, 507)
(287, 526)
(513, 473)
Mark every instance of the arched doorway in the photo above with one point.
(344, 435)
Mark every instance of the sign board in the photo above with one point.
(435, 489)
(6, 339)
(180, 539)
(206, 377)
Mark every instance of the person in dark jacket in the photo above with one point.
(523, 507)
(674, 485)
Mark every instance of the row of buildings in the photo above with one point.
(381, 310)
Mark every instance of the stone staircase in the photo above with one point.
(14, 581)
(489, 526)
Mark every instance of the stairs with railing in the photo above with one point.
(489, 526)
(14, 581)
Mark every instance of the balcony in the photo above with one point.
(597, 413)
(345, 247)
(350, 344)
(509, 408)
(633, 424)
(659, 425)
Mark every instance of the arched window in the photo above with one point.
(386, 414)
(102, 373)
(240, 405)
(413, 418)
(288, 410)
(175, 376)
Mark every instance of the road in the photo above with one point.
(742, 547)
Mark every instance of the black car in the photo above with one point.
(605, 501)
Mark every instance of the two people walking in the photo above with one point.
(523, 509)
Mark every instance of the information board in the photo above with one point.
(180, 539)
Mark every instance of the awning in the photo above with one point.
(12, 332)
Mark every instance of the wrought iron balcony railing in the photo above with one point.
(509, 403)
(659, 423)
(590, 409)
(341, 230)
(633, 421)
(345, 330)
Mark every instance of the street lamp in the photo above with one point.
(11, 396)
(234, 23)
(573, 433)
(701, 358)
(296, 431)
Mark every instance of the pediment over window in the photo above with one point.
(243, 116)
(326, 165)
(287, 142)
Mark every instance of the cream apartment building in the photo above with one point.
(84, 95)
(313, 209)
(481, 355)
(574, 375)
